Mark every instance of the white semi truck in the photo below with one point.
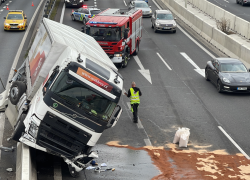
(64, 95)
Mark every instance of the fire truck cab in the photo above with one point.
(118, 33)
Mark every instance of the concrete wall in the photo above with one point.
(238, 25)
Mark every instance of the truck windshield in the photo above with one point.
(76, 94)
(105, 33)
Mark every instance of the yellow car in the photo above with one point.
(15, 20)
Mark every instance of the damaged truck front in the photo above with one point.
(64, 95)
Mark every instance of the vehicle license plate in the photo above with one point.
(242, 88)
(74, 4)
(166, 28)
(13, 27)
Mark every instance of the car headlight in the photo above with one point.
(157, 24)
(174, 24)
(6, 24)
(150, 11)
(117, 55)
(226, 80)
(21, 24)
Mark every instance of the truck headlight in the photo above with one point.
(226, 80)
(117, 55)
(33, 128)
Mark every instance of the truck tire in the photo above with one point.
(16, 91)
(19, 128)
(125, 60)
(136, 48)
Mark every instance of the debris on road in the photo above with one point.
(93, 163)
(6, 149)
(195, 163)
(9, 170)
(103, 165)
(90, 167)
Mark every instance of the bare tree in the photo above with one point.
(224, 25)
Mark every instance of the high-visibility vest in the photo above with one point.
(134, 98)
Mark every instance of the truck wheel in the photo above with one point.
(16, 91)
(125, 60)
(72, 171)
(19, 128)
(73, 17)
(137, 49)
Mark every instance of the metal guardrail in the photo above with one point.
(48, 8)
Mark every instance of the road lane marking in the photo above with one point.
(144, 72)
(198, 69)
(232, 141)
(164, 61)
(2, 123)
(147, 142)
(125, 2)
(62, 14)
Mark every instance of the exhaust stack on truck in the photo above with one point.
(64, 95)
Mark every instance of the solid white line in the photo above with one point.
(236, 145)
(139, 124)
(129, 106)
(147, 142)
(2, 123)
(125, 2)
(138, 62)
(62, 14)
(190, 37)
(164, 61)
(189, 60)
(21, 46)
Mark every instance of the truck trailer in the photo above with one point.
(64, 95)
(118, 32)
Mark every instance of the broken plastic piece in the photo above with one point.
(7, 149)
(98, 169)
(9, 169)
(103, 165)
(90, 167)
(113, 169)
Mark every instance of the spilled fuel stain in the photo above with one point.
(193, 164)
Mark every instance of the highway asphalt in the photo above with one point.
(179, 97)
(234, 8)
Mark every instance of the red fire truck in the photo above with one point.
(118, 33)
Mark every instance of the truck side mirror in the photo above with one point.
(117, 115)
(126, 33)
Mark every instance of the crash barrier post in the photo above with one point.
(48, 8)
(232, 45)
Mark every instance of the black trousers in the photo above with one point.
(135, 111)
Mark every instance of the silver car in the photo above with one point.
(146, 10)
(163, 20)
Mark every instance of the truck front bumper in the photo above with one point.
(116, 59)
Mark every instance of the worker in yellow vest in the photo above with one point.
(134, 94)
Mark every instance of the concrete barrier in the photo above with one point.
(248, 33)
(232, 18)
(232, 46)
(241, 26)
(210, 9)
(245, 51)
(219, 13)
(207, 31)
(198, 24)
(218, 39)
(25, 169)
(202, 6)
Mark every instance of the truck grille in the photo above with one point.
(107, 48)
(61, 137)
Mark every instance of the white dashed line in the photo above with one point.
(1, 10)
(4, 7)
(164, 61)
(7, 4)
(147, 142)
(2, 123)
(232, 141)
(125, 2)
